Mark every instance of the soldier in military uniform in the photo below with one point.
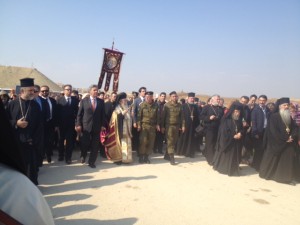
(147, 124)
(172, 122)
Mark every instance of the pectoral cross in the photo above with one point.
(192, 117)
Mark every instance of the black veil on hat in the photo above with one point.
(121, 96)
(26, 82)
(234, 106)
(283, 101)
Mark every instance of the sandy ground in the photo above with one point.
(158, 193)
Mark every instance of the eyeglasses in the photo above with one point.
(45, 91)
(35, 91)
(67, 89)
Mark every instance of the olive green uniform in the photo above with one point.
(147, 120)
(172, 121)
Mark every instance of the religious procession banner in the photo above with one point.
(111, 66)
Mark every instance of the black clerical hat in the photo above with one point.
(191, 94)
(27, 82)
(121, 96)
(236, 106)
(283, 101)
(149, 93)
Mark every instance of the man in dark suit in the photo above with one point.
(51, 124)
(40, 134)
(90, 121)
(259, 119)
(67, 107)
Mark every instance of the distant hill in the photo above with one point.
(227, 100)
(10, 77)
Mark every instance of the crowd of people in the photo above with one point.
(265, 135)
(250, 130)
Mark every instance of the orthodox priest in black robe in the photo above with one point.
(187, 143)
(229, 142)
(25, 118)
(211, 116)
(280, 141)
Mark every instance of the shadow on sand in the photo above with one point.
(53, 181)
(125, 221)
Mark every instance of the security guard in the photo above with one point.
(147, 124)
(172, 122)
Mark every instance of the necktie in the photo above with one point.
(93, 104)
(69, 101)
(48, 113)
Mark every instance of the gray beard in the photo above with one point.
(285, 116)
(235, 117)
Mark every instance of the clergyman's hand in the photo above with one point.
(22, 123)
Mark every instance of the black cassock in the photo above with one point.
(279, 157)
(27, 137)
(187, 143)
(226, 158)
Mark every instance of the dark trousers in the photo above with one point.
(66, 134)
(135, 140)
(258, 152)
(49, 139)
(159, 142)
(40, 142)
(247, 151)
(90, 141)
(210, 143)
(30, 156)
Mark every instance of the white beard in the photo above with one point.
(285, 116)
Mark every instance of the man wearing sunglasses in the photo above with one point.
(51, 125)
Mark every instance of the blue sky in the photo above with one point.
(232, 48)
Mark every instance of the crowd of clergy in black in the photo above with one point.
(247, 131)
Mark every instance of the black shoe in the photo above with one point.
(92, 166)
(68, 161)
(118, 163)
(167, 157)
(60, 158)
(49, 159)
(146, 160)
(82, 160)
(172, 159)
(141, 159)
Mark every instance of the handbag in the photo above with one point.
(200, 130)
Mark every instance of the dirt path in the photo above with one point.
(158, 193)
